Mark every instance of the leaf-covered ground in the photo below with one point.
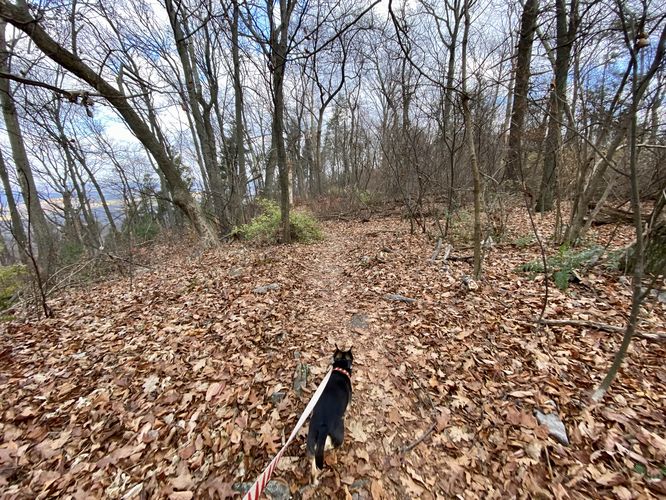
(180, 382)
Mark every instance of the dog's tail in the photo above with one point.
(319, 447)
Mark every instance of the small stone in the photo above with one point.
(267, 288)
(555, 426)
(399, 298)
(662, 297)
(277, 397)
(469, 283)
(234, 272)
(359, 321)
(359, 483)
(277, 490)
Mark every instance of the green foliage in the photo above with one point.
(70, 252)
(265, 228)
(461, 225)
(142, 227)
(524, 241)
(564, 263)
(368, 198)
(11, 280)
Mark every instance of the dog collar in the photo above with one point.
(342, 370)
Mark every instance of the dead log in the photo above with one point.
(611, 215)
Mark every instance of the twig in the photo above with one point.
(447, 251)
(658, 336)
(427, 433)
(550, 467)
(413, 445)
(438, 247)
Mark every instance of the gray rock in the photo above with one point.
(359, 321)
(555, 426)
(399, 298)
(277, 490)
(278, 396)
(267, 288)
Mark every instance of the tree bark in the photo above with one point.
(38, 224)
(18, 232)
(469, 136)
(521, 85)
(566, 31)
(279, 38)
(201, 119)
(240, 185)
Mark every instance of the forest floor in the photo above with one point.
(179, 381)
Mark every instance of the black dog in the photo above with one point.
(327, 426)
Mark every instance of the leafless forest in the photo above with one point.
(490, 134)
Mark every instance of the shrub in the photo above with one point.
(565, 263)
(524, 241)
(11, 280)
(265, 228)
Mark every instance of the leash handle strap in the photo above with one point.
(260, 484)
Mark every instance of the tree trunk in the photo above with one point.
(240, 185)
(37, 223)
(469, 135)
(278, 47)
(20, 17)
(17, 230)
(202, 125)
(524, 55)
(565, 35)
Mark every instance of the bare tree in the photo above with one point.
(19, 16)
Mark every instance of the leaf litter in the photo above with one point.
(179, 383)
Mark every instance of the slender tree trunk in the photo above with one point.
(469, 135)
(523, 58)
(582, 202)
(18, 232)
(565, 34)
(202, 125)
(99, 190)
(38, 223)
(637, 294)
(241, 174)
(278, 46)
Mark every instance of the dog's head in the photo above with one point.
(343, 359)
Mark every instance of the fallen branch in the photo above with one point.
(465, 258)
(399, 298)
(427, 433)
(447, 251)
(658, 336)
(413, 445)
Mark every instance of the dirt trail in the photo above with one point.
(351, 315)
